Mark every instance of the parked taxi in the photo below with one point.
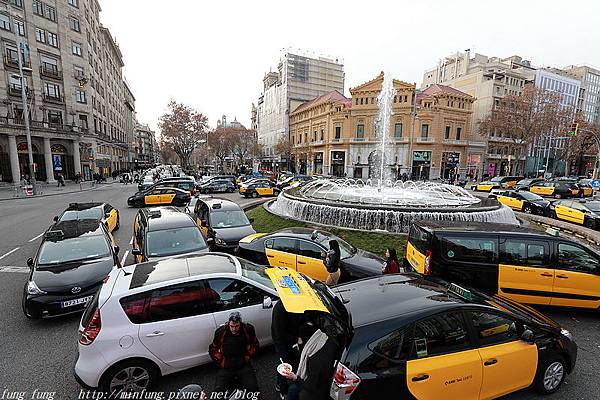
(559, 189)
(160, 196)
(498, 182)
(102, 212)
(260, 189)
(245, 184)
(522, 264)
(301, 249)
(523, 201)
(405, 336)
(586, 213)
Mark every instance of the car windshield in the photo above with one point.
(525, 182)
(593, 206)
(75, 249)
(530, 196)
(90, 213)
(346, 249)
(228, 219)
(496, 179)
(174, 241)
(256, 273)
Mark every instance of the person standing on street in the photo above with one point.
(285, 333)
(391, 263)
(61, 179)
(232, 348)
(332, 263)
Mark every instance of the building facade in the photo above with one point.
(299, 78)
(75, 91)
(589, 98)
(488, 80)
(335, 136)
(146, 147)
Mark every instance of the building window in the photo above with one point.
(52, 90)
(83, 121)
(55, 117)
(4, 22)
(18, 3)
(74, 3)
(447, 133)
(80, 96)
(38, 8)
(78, 72)
(52, 39)
(40, 35)
(77, 49)
(398, 130)
(50, 13)
(338, 132)
(458, 132)
(74, 24)
(20, 27)
(322, 134)
(425, 131)
(360, 131)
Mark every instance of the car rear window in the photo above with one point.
(419, 238)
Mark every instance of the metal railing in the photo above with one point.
(50, 70)
(14, 62)
(53, 98)
(425, 140)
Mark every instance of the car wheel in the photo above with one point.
(527, 210)
(550, 375)
(230, 190)
(129, 376)
(590, 223)
(255, 194)
(118, 225)
(138, 203)
(552, 214)
(558, 196)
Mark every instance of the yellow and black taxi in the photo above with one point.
(301, 249)
(253, 181)
(585, 187)
(160, 232)
(102, 212)
(73, 260)
(519, 263)
(259, 189)
(523, 201)
(586, 213)
(559, 189)
(223, 222)
(525, 184)
(498, 182)
(294, 180)
(160, 196)
(405, 336)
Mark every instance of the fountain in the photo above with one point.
(381, 203)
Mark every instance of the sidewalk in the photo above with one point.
(9, 192)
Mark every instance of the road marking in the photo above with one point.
(131, 241)
(124, 258)
(31, 240)
(21, 270)
(10, 252)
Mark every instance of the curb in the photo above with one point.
(254, 204)
(56, 194)
(576, 232)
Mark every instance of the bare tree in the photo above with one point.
(221, 143)
(182, 130)
(283, 149)
(243, 142)
(520, 119)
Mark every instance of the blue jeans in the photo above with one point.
(293, 391)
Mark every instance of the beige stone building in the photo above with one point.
(334, 135)
(79, 107)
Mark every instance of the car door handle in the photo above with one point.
(491, 362)
(562, 276)
(421, 377)
(546, 274)
(155, 333)
(301, 262)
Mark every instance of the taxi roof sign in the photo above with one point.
(460, 291)
(294, 291)
(54, 235)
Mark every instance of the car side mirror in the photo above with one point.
(528, 337)
(30, 262)
(55, 218)
(117, 248)
(267, 303)
(136, 252)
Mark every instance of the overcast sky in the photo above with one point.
(212, 55)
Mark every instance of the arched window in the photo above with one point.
(58, 149)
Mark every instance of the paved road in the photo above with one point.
(40, 354)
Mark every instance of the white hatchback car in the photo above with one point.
(156, 318)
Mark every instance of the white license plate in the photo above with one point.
(75, 302)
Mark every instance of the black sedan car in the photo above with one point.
(216, 185)
(69, 267)
(301, 249)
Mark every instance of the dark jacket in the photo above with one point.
(284, 325)
(233, 351)
(332, 261)
(320, 368)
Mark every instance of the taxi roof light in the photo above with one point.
(54, 235)
(460, 291)
(154, 214)
(216, 206)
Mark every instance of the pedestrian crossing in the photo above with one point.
(13, 269)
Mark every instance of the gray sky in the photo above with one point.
(212, 55)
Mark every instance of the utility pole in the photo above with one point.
(412, 137)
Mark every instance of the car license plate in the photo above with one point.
(75, 302)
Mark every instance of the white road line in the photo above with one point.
(21, 270)
(124, 258)
(131, 241)
(31, 240)
(10, 252)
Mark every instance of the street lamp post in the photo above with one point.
(21, 47)
(414, 131)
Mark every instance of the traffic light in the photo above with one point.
(573, 129)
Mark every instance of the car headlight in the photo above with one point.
(220, 242)
(33, 289)
(566, 334)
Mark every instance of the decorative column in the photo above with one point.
(76, 157)
(48, 161)
(14, 159)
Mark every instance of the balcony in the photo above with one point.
(400, 140)
(336, 141)
(477, 144)
(19, 122)
(13, 62)
(454, 142)
(425, 140)
(358, 140)
(15, 90)
(317, 143)
(57, 99)
(50, 71)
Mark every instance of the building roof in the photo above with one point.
(437, 88)
(333, 96)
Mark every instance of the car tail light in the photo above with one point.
(91, 330)
(427, 267)
(344, 383)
